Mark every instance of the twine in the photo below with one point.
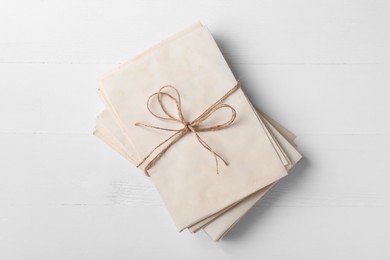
(188, 127)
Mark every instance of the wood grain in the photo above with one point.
(321, 68)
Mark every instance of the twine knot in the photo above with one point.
(189, 127)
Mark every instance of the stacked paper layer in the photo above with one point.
(198, 189)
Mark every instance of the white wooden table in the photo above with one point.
(321, 68)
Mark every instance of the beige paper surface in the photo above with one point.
(186, 177)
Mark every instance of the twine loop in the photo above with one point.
(188, 127)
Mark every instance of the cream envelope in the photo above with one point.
(220, 223)
(186, 175)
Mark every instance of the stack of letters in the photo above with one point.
(178, 113)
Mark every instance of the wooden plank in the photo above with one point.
(142, 232)
(303, 31)
(319, 67)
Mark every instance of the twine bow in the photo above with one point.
(193, 126)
